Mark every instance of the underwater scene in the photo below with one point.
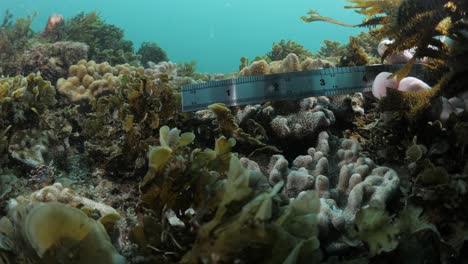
(235, 131)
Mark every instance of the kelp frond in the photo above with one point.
(377, 12)
(315, 16)
(371, 8)
(416, 25)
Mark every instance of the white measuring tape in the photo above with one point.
(286, 86)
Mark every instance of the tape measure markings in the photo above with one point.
(283, 86)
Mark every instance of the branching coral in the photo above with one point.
(307, 121)
(290, 63)
(367, 42)
(87, 79)
(359, 182)
(363, 40)
(359, 51)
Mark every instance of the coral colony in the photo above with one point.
(99, 165)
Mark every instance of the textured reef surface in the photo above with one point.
(99, 165)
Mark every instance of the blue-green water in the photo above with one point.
(215, 33)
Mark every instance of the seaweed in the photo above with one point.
(280, 50)
(227, 198)
(199, 201)
(151, 52)
(15, 37)
(106, 42)
(331, 49)
(186, 69)
(354, 55)
(417, 25)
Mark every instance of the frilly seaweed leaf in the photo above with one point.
(314, 16)
(375, 227)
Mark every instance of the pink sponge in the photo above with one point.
(381, 83)
(412, 84)
(408, 84)
(398, 57)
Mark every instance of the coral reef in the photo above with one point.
(292, 234)
(303, 118)
(358, 51)
(87, 79)
(57, 193)
(15, 37)
(311, 118)
(359, 182)
(90, 148)
(289, 64)
(52, 60)
(173, 161)
(280, 50)
(164, 68)
(141, 105)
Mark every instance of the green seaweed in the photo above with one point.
(280, 50)
(15, 37)
(331, 49)
(151, 52)
(106, 42)
(24, 99)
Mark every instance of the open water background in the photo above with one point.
(215, 33)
